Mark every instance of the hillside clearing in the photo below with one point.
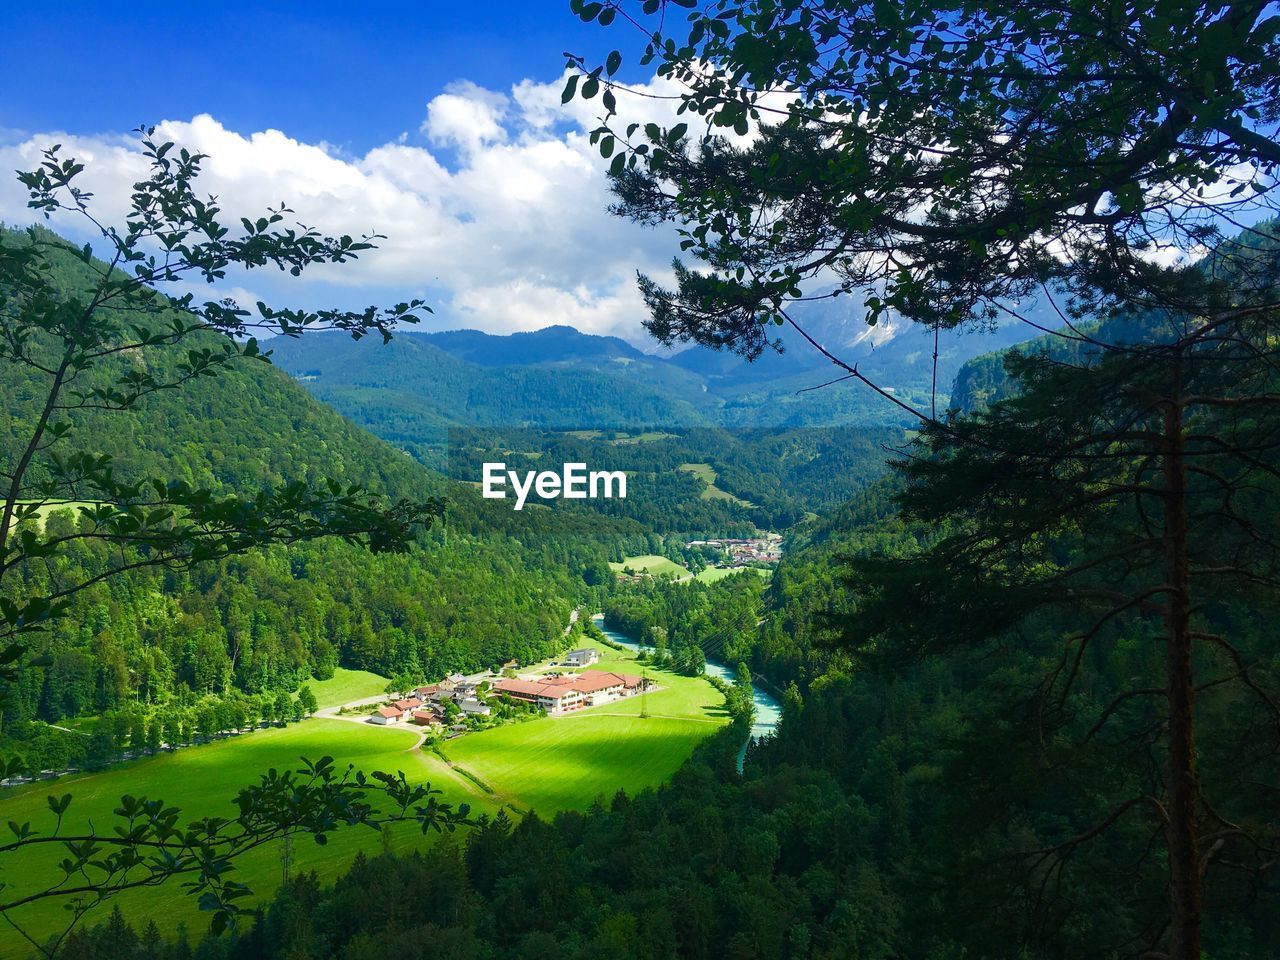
(345, 686)
(652, 564)
(707, 474)
(712, 574)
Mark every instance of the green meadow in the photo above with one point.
(202, 781)
(712, 574)
(547, 764)
(565, 763)
(653, 564)
(707, 474)
(347, 685)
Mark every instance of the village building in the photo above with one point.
(582, 658)
(551, 695)
(426, 716)
(565, 693)
(386, 715)
(474, 707)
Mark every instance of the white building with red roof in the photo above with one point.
(571, 692)
(386, 715)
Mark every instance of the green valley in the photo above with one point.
(547, 765)
(645, 480)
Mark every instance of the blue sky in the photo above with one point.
(352, 74)
(438, 124)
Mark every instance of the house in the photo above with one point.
(473, 706)
(407, 704)
(427, 691)
(582, 658)
(426, 717)
(599, 686)
(555, 695)
(386, 715)
(563, 693)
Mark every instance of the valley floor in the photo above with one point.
(547, 765)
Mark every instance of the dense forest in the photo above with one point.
(1021, 631)
(695, 482)
(918, 745)
(890, 777)
(489, 586)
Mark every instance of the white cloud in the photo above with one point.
(466, 116)
(498, 213)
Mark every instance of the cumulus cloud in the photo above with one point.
(466, 116)
(497, 211)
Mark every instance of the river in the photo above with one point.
(768, 709)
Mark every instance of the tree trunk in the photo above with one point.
(1184, 786)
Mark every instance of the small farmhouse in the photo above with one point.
(582, 658)
(386, 715)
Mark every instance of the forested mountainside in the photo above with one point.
(253, 428)
(918, 801)
(983, 380)
(606, 404)
(489, 586)
(412, 391)
(696, 482)
(844, 835)
(559, 378)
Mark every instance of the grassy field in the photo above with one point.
(653, 564)
(650, 436)
(707, 474)
(202, 781)
(712, 574)
(564, 763)
(548, 764)
(347, 685)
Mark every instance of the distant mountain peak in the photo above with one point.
(558, 343)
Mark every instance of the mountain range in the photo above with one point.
(414, 389)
